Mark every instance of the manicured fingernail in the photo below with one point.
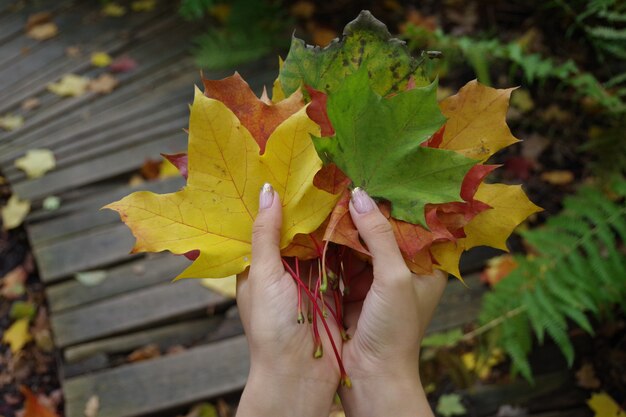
(266, 197)
(362, 202)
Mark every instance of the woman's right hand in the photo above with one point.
(386, 313)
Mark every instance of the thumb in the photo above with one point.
(266, 260)
(376, 231)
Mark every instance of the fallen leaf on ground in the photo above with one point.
(225, 286)
(37, 19)
(17, 335)
(150, 169)
(231, 202)
(604, 406)
(100, 59)
(560, 177)
(14, 213)
(450, 405)
(497, 269)
(448, 338)
(123, 64)
(321, 35)
(11, 122)
(586, 377)
(36, 162)
(71, 85)
(43, 31)
(303, 9)
(72, 51)
(12, 284)
(22, 310)
(41, 331)
(507, 410)
(203, 410)
(92, 406)
(91, 278)
(521, 100)
(104, 84)
(144, 353)
(143, 5)
(51, 203)
(30, 104)
(33, 407)
(113, 9)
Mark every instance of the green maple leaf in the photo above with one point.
(377, 144)
(365, 42)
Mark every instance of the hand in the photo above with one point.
(285, 378)
(386, 313)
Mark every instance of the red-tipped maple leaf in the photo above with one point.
(258, 116)
(317, 111)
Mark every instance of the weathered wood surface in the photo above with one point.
(132, 311)
(126, 278)
(162, 383)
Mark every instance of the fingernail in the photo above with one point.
(362, 202)
(266, 197)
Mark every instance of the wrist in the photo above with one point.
(275, 393)
(374, 396)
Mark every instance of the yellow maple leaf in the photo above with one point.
(17, 335)
(214, 212)
(476, 125)
(100, 59)
(605, 406)
(492, 227)
(447, 255)
(71, 85)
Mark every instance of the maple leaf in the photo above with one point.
(214, 212)
(33, 407)
(476, 124)
(36, 162)
(509, 207)
(366, 42)
(17, 335)
(256, 115)
(409, 176)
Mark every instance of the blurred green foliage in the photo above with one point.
(238, 31)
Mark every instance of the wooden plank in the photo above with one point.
(107, 39)
(163, 383)
(132, 311)
(144, 272)
(43, 134)
(109, 165)
(179, 333)
(107, 142)
(459, 304)
(90, 200)
(156, 52)
(83, 253)
(88, 214)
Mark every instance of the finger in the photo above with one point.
(376, 231)
(266, 259)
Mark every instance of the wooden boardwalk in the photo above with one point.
(98, 140)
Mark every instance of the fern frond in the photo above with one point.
(579, 269)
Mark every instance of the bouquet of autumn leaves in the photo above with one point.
(358, 113)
